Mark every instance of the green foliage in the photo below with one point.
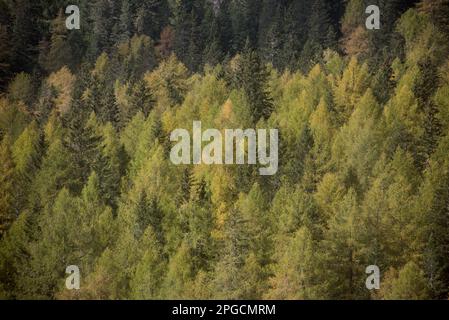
(252, 76)
(409, 284)
(86, 179)
(21, 89)
(58, 51)
(7, 188)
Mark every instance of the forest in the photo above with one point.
(85, 171)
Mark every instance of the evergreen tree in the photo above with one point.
(409, 284)
(7, 187)
(146, 282)
(295, 271)
(341, 250)
(27, 153)
(5, 56)
(101, 24)
(438, 10)
(433, 202)
(151, 17)
(125, 22)
(141, 99)
(252, 77)
(81, 142)
(25, 34)
(59, 51)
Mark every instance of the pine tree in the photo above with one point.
(213, 51)
(101, 11)
(25, 34)
(7, 188)
(270, 40)
(141, 99)
(179, 274)
(245, 20)
(252, 77)
(228, 280)
(82, 143)
(27, 153)
(5, 56)
(409, 284)
(151, 17)
(21, 90)
(110, 164)
(344, 278)
(433, 202)
(295, 271)
(148, 214)
(321, 23)
(59, 53)
(125, 22)
(188, 43)
(438, 10)
(146, 281)
(424, 89)
(15, 256)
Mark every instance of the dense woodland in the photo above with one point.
(85, 175)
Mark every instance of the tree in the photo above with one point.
(146, 282)
(321, 23)
(151, 17)
(179, 274)
(25, 34)
(433, 202)
(125, 22)
(424, 91)
(227, 280)
(408, 285)
(295, 271)
(82, 143)
(14, 256)
(438, 10)
(343, 275)
(137, 56)
(7, 188)
(101, 24)
(188, 43)
(59, 51)
(252, 77)
(355, 37)
(141, 99)
(62, 84)
(21, 89)
(168, 82)
(27, 154)
(60, 221)
(110, 165)
(245, 18)
(5, 56)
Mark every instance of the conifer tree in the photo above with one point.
(147, 280)
(101, 24)
(141, 99)
(408, 285)
(59, 52)
(252, 77)
(82, 143)
(295, 271)
(27, 153)
(25, 34)
(7, 188)
(125, 22)
(5, 56)
(341, 250)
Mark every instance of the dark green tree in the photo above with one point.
(252, 77)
